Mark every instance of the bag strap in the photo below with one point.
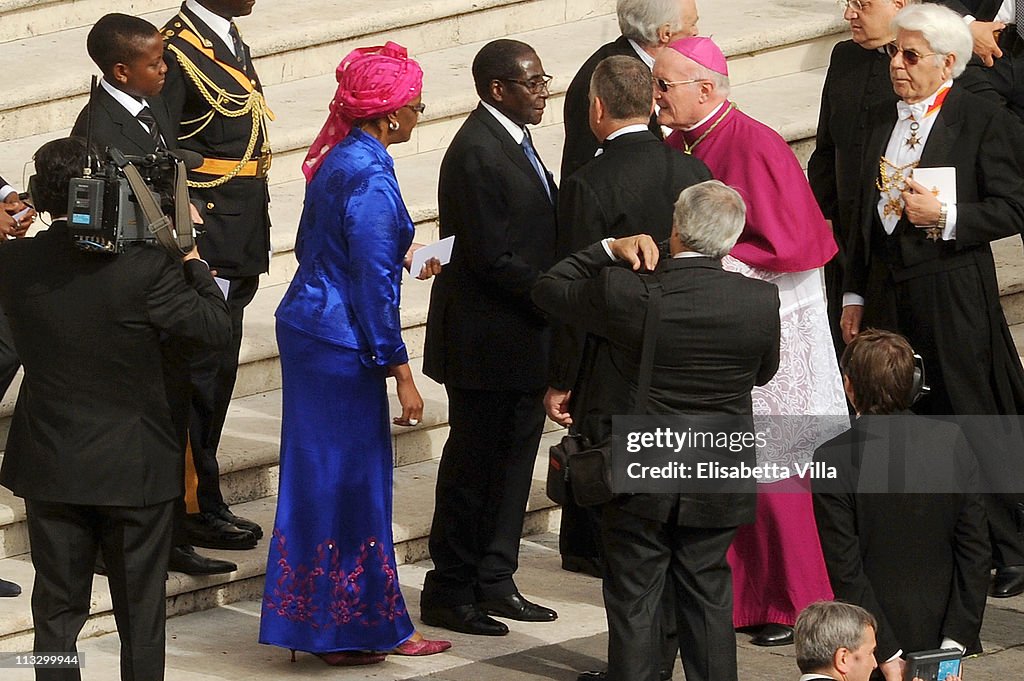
(649, 339)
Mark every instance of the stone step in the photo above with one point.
(413, 509)
(26, 18)
(300, 102)
(290, 40)
(249, 450)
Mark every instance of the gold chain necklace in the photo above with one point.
(688, 148)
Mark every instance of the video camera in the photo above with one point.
(124, 200)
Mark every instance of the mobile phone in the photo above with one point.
(933, 665)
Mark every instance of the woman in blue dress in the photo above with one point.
(332, 582)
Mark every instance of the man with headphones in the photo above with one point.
(902, 526)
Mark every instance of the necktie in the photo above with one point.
(531, 155)
(1018, 17)
(146, 118)
(236, 40)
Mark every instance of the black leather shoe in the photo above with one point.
(663, 675)
(773, 635)
(585, 564)
(185, 559)
(515, 607)
(1009, 581)
(466, 619)
(224, 513)
(9, 589)
(212, 532)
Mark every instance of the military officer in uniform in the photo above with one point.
(216, 99)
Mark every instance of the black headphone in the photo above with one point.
(919, 387)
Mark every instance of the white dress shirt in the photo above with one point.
(517, 132)
(624, 130)
(217, 23)
(131, 104)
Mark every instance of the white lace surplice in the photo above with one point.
(808, 383)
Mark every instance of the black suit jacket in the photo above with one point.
(631, 188)
(93, 422)
(718, 337)
(483, 332)
(856, 83)
(919, 562)
(580, 143)
(113, 126)
(977, 138)
(983, 10)
(236, 230)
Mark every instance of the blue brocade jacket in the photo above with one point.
(353, 235)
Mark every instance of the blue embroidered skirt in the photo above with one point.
(332, 583)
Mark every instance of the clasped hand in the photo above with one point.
(920, 206)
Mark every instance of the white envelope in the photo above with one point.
(442, 250)
(940, 181)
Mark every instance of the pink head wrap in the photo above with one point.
(704, 51)
(372, 82)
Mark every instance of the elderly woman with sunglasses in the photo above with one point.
(332, 581)
(920, 262)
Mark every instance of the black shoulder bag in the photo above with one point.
(588, 469)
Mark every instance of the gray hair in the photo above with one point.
(825, 627)
(640, 20)
(943, 29)
(709, 218)
(719, 80)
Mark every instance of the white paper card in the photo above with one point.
(224, 285)
(939, 181)
(442, 250)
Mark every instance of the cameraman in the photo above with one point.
(93, 448)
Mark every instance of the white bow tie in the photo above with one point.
(915, 111)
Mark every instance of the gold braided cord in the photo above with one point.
(252, 103)
(205, 119)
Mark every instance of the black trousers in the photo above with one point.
(8, 357)
(213, 376)
(641, 558)
(135, 543)
(483, 484)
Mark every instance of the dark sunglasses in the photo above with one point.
(418, 108)
(910, 57)
(664, 85)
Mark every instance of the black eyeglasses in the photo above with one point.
(910, 57)
(418, 108)
(664, 85)
(535, 85)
